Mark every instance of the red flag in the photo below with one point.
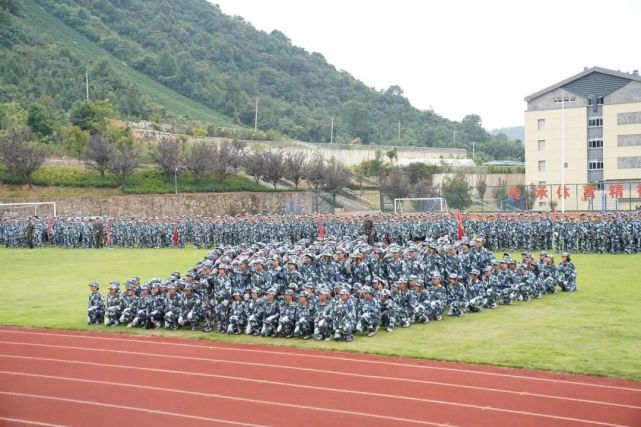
(461, 230)
(174, 236)
(108, 234)
(321, 228)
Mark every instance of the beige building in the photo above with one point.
(586, 129)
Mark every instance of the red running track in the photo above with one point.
(66, 378)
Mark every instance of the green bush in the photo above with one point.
(142, 181)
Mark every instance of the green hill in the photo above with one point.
(188, 59)
(52, 50)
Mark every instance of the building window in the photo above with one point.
(599, 100)
(541, 145)
(541, 182)
(541, 124)
(595, 143)
(600, 186)
(595, 165)
(541, 165)
(595, 122)
(542, 204)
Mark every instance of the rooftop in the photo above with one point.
(618, 75)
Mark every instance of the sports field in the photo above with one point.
(594, 331)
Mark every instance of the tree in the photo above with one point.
(123, 160)
(294, 166)
(456, 192)
(39, 121)
(274, 160)
(91, 116)
(98, 153)
(315, 174)
(418, 171)
(74, 139)
(199, 159)
(481, 185)
(355, 117)
(336, 176)
(396, 184)
(21, 156)
(254, 165)
(168, 155)
(359, 176)
(392, 155)
(225, 159)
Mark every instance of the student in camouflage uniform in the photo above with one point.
(323, 315)
(438, 298)
(287, 314)
(457, 296)
(129, 305)
(369, 313)
(143, 309)
(255, 313)
(272, 310)
(191, 309)
(567, 273)
(389, 310)
(114, 304)
(173, 306)
(157, 305)
(96, 305)
(475, 292)
(237, 315)
(343, 317)
(304, 317)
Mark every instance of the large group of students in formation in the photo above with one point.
(611, 232)
(331, 288)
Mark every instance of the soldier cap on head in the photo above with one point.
(144, 287)
(366, 290)
(386, 292)
(565, 254)
(135, 278)
(503, 261)
(171, 285)
(344, 291)
(271, 291)
(176, 274)
(115, 282)
(235, 293)
(293, 286)
(488, 268)
(436, 275)
(324, 291)
(94, 284)
(412, 277)
(522, 265)
(309, 285)
(290, 292)
(543, 253)
(475, 272)
(189, 286)
(157, 285)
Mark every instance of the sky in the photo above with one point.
(458, 57)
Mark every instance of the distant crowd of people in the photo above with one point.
(618, 232)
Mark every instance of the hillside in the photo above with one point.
(514, 132)
(185, 58)
(51, 52)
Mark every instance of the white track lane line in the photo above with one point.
(318, 388)
(126, 408)
(28, 422)
(218, 396)
(325, 371)
(318, 356)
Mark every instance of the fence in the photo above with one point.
(596, 197)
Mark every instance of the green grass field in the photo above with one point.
(594, 331)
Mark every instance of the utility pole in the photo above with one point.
(473, 149)
(399, 130)
(454, 140)
(256, 116)
(176, 179)
(562, 152)
(87, 83)
(331, 136)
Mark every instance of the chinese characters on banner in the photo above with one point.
(564, 194)
(616, 191)
(514, 193)
(588, 192)
(542, 192)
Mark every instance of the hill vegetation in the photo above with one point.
(185, 59)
